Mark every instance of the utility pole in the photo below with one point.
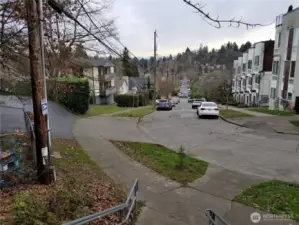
(45, 174)
(155, 67)
(42, 49)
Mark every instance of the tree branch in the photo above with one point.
(207, 18)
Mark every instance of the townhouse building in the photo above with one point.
(285, 60)
(252, 79)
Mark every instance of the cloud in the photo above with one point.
(179, 27)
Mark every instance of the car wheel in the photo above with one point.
(199, 116)
(217, 117)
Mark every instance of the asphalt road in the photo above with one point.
(243, 150)
(12, 117)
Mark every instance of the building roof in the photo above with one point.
(91, 62)
(138, 82)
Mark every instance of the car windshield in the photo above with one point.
(198, 100)
(209, 104)
(163, 100)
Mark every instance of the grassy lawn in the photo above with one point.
(228, 113)
(95, 110)
(137, 112)
(82, 188)
(295, 123)
(276, 197)
(176, 166)
(272, 112)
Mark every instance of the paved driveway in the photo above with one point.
(12, 117)
(243, 150)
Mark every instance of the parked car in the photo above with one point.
(197, 102)
(176, 100)
(190, 100)
(208, 109)
(164, 104)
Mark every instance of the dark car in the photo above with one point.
(164, 104)
(190, 100)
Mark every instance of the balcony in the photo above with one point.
(106, 77)
(242, 88)
(279, 20)
(108, 91)
(255, 69)
(255, 87)
(248, 88)
(276, 51)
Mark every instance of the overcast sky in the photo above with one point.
(179, 27)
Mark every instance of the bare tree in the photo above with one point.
(62, 34)
(216, 21)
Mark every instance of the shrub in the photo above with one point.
(129, 100)
(73, 93)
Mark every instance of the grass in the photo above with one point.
(295, 122)
(95, 110)
(228, 113)
(276, 197)
(272, 112)
(137, 113)
(164, 161)
(82, 188)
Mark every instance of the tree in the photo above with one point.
(187, 50)
(235, 47)
(80, 51)
(130, 68)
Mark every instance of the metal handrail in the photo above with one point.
(129, 203)
(213, 217)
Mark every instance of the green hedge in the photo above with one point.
(71, 92)
(129, 100)
(74, 94)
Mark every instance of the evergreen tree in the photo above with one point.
(130, 68)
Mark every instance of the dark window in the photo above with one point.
(256, 60)
(279, 39)
(289, 96)
(249, 64)
(293, 65)
(244, 66)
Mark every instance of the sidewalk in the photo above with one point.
(168, 203)
(126, 110)
(246, 111)
(265, 122)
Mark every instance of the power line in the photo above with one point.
(59, 9)
(115, 38)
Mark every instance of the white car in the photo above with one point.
(197, 102)
(208, 109)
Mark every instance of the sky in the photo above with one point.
(179, 27)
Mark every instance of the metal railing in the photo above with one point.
(214, 218)
(124, 209)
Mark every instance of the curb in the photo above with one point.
(140, 118)
(286, 133)
(231, 122)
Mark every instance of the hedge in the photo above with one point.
(72, 92)
(130, 100)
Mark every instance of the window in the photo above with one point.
(292, 72)
(291, 81)
(275, 67)
(250, 80)
(239, 69)
(249, 64)
(244, 82)
(256, 60)
(274, 77)
(278, 39)
(273, 93)
(296, 37)
(257, 79)
(289, 96)
(244, 66)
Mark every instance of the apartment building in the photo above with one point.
(252, 79)
(285, 61)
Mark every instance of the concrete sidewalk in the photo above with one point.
(168, 203)
(253, 113)
(125, 111)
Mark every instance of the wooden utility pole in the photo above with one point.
(44, 173)
(155, 67)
